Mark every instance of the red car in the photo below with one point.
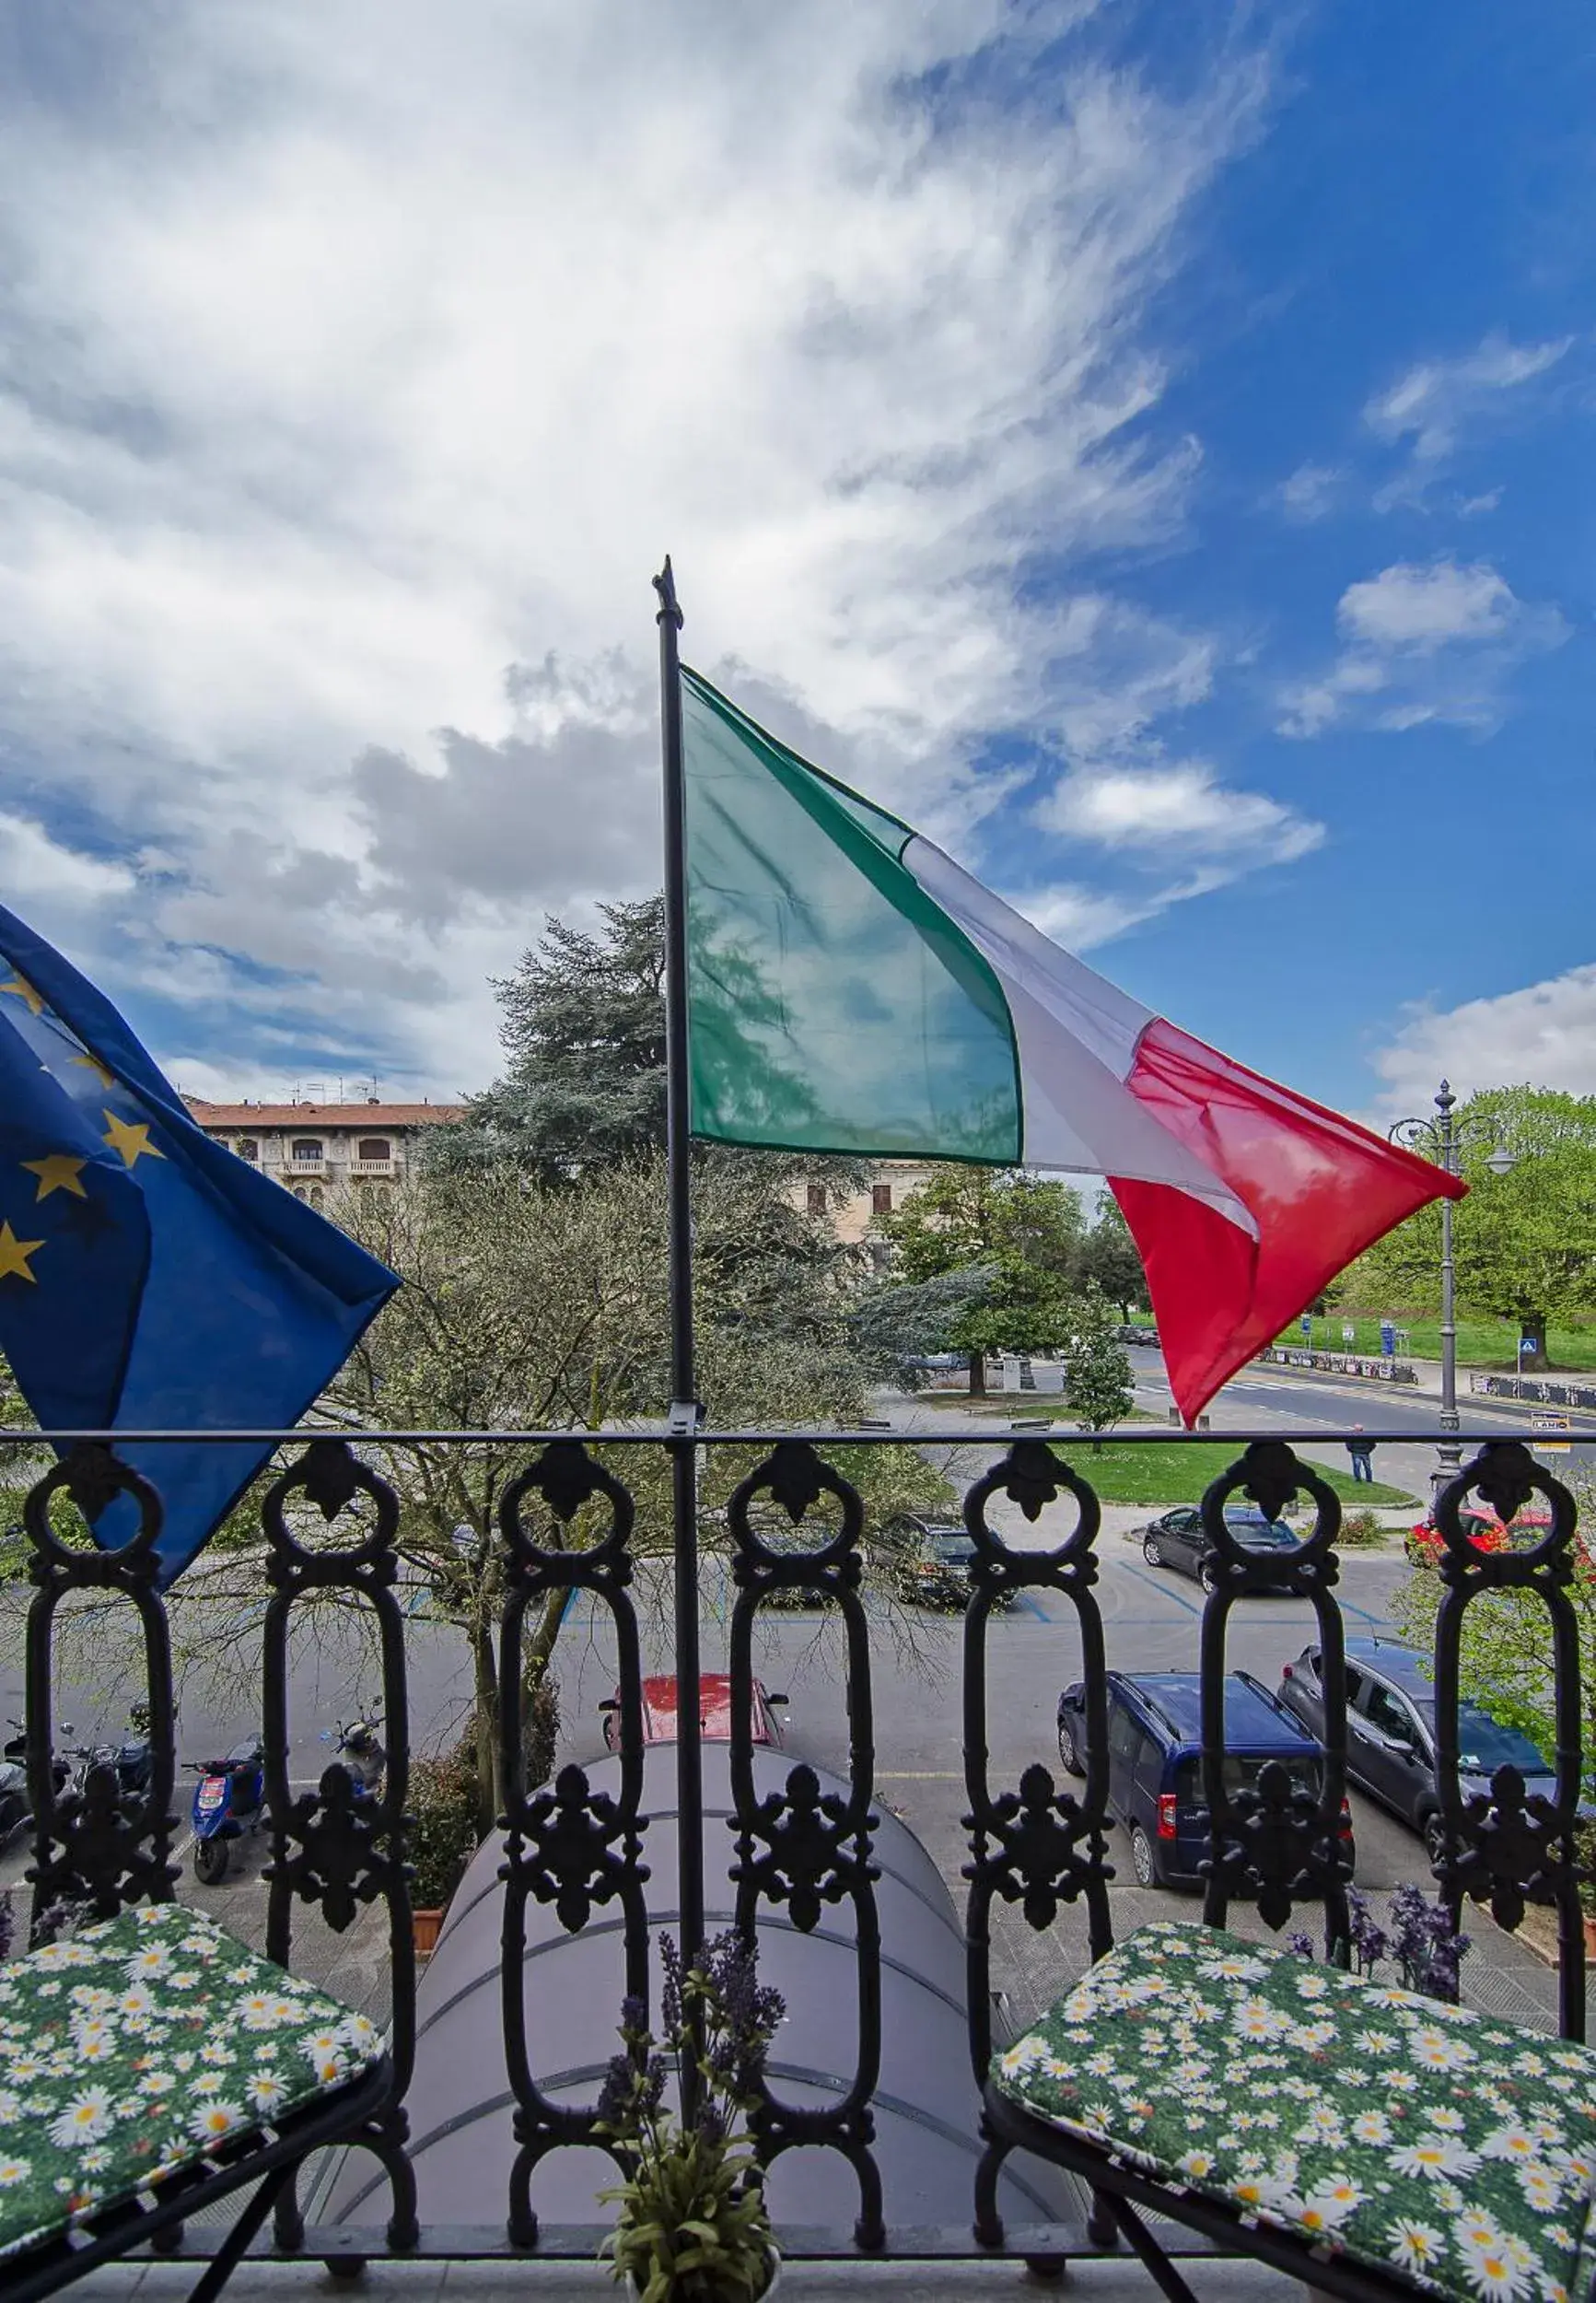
(713, 1713)
(1484, 1530)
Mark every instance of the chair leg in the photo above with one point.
(225, 2259)
(1154, 2260)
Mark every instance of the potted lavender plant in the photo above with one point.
(1429, 1953)
(692, 2225)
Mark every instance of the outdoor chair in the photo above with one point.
(1364, 2139)
(149, 2066)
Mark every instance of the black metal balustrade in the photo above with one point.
(1032, 1844)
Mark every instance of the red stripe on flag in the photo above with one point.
(1320, 1187)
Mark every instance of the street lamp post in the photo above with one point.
(1443, 1139)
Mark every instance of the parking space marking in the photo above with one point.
(1164, 1593)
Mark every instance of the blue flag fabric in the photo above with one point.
(149, 1279)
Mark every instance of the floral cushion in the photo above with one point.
(140, 2045)
(1377, 2123)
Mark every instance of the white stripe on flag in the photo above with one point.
(1077, 1034)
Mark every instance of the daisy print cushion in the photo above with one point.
(1382, 2125)
(140, 2045)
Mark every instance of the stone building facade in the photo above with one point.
(310, 1148)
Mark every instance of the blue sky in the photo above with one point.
(1148, 446)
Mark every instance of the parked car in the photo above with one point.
(1391, 1748)
(1179, 1539)
(928, 1562)
(1144, 1337)
(1483, 1529)
(714, 1712)
(1155, 1778)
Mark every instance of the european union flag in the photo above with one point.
(150, 1280)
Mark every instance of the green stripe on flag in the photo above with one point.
(833, 1007)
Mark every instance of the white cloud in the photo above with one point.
(1424, 643)
(1182, 805)
(1437, 403)
(1543, 1033)
(1309, 493)
(352, 355)
(1425, 608)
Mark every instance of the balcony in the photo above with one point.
(373, 1167)
(951, 1882)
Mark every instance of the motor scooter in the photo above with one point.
(360, 1754)
(15, 1752)
(16, 1808)
(229, 1799)
(132, 1762)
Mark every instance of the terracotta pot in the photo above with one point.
(424, 1925)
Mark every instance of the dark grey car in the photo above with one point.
(1178, 1539)
(1390, 1749)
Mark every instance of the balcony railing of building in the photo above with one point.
(567, 1522)
(372, 1167)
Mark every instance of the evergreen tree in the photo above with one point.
(582, 1024)
(1096, 1372)
(1109, 1258)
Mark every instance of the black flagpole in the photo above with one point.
(684, 1411)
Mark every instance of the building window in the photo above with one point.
(817, 1199)
(248, 1148)
(881, 1198)
(307, 1150)
(373, 1147)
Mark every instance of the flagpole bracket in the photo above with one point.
(685, 1419)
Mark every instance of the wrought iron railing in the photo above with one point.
(1033, 1844)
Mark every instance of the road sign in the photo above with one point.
(1550, 1446)
(1348, 1332)
(1527, 1344)
(1307, 1327)
(1388, 1338)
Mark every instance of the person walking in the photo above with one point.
(1361, 1451)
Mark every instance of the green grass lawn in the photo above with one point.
(1481, 1342)
(1142, 1474)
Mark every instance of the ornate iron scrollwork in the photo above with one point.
(817, 1849)
(1036, 1860)
(1510, 1849)
(97, 1844)
(798, 1848)
(570, 1846)
(570, 1858)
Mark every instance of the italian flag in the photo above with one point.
(851, 990)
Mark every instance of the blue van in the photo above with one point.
(1155, 1779)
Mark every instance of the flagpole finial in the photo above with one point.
(665, 585)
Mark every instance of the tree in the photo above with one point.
(1022, 1234)
(583, 1029)
(1525, 1242)
(1109, 1260)
(1096, 1372)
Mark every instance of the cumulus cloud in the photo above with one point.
(354, 356)
(1182, 805)
(1435, 642)
(1543, 1033)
